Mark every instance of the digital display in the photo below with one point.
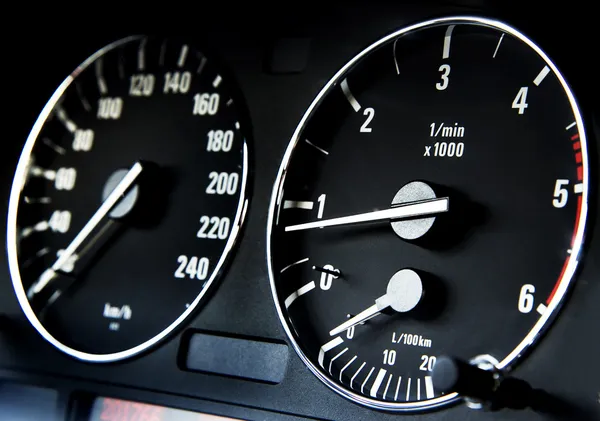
(109, 409)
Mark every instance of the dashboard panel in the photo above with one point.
(232, 356)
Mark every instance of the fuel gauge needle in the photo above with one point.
(113, 198)
(406, 210)
(361, 317)
(404, 292)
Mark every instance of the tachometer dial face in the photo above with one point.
(432, 201)
(128, 197)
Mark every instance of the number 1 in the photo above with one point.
(321, 201)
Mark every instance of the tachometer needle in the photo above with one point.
(404, 211)
(112, 199)
(404, 292)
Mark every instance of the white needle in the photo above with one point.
(363, 316)
(102, 211)
(404, 292)
(406, 210)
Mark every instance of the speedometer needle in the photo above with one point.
(404, 292)
(112, 199)
(404, 211)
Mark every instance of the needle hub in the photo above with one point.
(127, 203)
(412, 229)
(404, 291)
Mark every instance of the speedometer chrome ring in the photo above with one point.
(128, 198)
(432, 201)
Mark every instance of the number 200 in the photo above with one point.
(222, 183)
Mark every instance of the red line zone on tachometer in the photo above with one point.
(578, 160)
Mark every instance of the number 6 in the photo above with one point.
(526, 298)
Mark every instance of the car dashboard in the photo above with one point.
(338, 211)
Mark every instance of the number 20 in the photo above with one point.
(427, 363)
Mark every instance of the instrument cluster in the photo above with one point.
(389, 216)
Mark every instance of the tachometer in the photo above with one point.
(432, 201)
(128, 197)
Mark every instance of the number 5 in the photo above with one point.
(445, 69)
(561, 195)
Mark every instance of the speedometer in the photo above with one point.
(432, 201)
(128, 197)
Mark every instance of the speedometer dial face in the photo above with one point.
(128, 197)
(432, 201)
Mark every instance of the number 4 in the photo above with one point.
(520, 101)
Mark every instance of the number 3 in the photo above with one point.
(445, 69)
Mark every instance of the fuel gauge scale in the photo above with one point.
(432, 201)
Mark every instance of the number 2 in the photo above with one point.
(370, 113)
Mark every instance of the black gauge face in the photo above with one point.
(128, 198)
(432, 202)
